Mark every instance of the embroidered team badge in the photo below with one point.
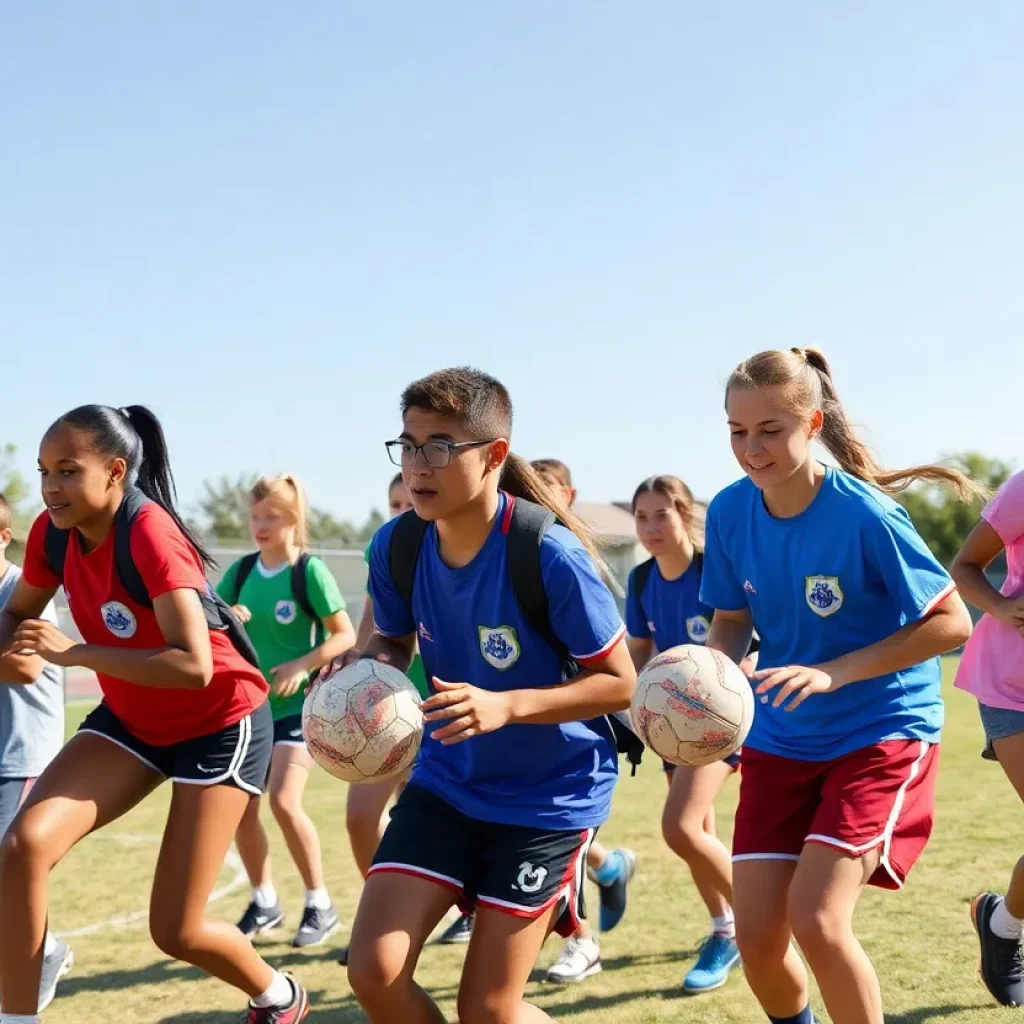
(284, 612)
(530, 879)
(697, 627)
(118, 619)
(500, 646)
(824, 595)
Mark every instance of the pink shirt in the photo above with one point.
(992, 667)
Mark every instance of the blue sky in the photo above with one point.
(263, 219)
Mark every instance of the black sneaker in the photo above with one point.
(316, 926)
(343, 956)
(1002, 963)
(259, 920)
(614, 894)
(460, 930)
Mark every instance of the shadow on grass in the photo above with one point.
(927, 1014)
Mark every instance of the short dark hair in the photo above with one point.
(480, 402)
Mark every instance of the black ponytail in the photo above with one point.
(135, 435)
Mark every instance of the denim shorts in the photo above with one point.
(999, 723)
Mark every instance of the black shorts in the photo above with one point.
(516, 870)
(288, 732)
(236, 756)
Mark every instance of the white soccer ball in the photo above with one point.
(692, 706)
(363, 722)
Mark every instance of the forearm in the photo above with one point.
(730, 637)
(333, 647)
(16, 669)
(942, 631)
(164, 668)
(976, 589)
(365, 624)
(397, 649)
(588, 695)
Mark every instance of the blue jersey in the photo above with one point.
(850, 570)
(471, 630)
(668, 612)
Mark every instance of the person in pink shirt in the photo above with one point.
(992, 668)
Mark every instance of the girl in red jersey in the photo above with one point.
(179, 702)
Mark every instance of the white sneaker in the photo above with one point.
(580, 958)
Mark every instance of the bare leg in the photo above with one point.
(364, 818)
(1010, 752)
(253, 848)
(289, 773)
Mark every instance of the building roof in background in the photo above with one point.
(612, 523)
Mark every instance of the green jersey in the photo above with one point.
(417, 673)
(279, 629)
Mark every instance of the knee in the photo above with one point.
(28, 845)
(173, 936)
(681, 835)
(477, 1007)
(284, 806)
(816, 928)
(761, 941)
(371, 974)
(360, 818)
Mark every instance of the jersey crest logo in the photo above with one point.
(697, 627)
(500, 646)
(118, 619)
(530, 878)
(824, 595)
(284, 612)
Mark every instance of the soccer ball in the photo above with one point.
(363, 722)
(692, 706)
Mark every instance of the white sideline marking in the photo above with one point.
(231, 859)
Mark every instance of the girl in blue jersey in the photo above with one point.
(493, 818)
(664, 610)
(838, 778)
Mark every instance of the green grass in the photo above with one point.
(920, 939)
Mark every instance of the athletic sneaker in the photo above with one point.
(718, 956)
(55, 966)
(297, 1010)
(258, 920)
(614, 893)
(580, 958)
(1002, 963)
(316, 926)
(343, 956)
(460, 930)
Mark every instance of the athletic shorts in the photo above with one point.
(999, 724)
(879, 797)
(236, 756)
(12, 796)
(733, 761)
(510, 868)
(288, 732)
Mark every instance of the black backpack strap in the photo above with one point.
(300, 588)
(404, 552)
(244, 571)
(529, 523)
(641, 574)
(127, 571)
(55, 547)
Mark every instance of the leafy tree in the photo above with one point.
(942, 520)
(15, 488)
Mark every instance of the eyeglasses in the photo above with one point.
(436, 454)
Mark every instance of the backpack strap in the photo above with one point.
(55, 547)
(527, 525)
(245, 568)
(641, 574)
(404, 552)
(300, 588)
(134, 501)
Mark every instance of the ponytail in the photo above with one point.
(806, 378)
(134, 435)
(521, 480)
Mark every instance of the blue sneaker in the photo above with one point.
(613, 880)
(718, 956)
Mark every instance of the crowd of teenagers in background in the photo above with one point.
(809, 576)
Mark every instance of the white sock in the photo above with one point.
(265, 896)
(1003, 923)
(280, 993)
(18, 1018)
(318, 898)
(51, 944)
(724, 925)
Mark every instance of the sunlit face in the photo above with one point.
(76, 482)
(271, 526)
(398, 500)
(770, 441)
(659, 525)
(438, 492)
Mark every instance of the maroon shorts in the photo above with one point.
(878, 798)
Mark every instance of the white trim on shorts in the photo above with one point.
(737, 857)
(885, 839)
(398, 868)
(241, 752)
(124, 746)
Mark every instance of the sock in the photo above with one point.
(318, 898)
(280, 993)
(803, 1017)
(51, 944)
(724, 925)
(1003, 923)
(18, 1018)
(610, 870)
(265, 896)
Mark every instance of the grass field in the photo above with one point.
(920, 939)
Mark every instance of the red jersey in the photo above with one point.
(106, 616)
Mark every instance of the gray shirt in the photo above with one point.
(32, 715)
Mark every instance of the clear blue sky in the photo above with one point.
(263, 219)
